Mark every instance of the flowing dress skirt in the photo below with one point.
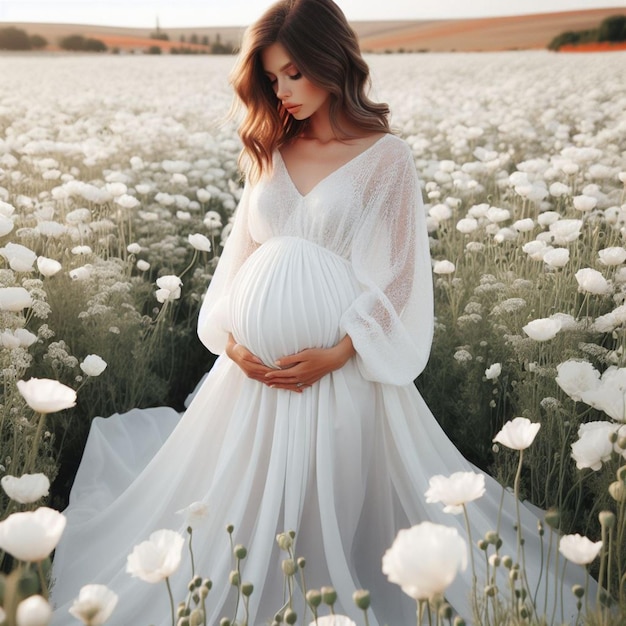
(346, 464)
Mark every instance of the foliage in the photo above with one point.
(78, 43)
(38, 42)
(610, 29)
(12, 38)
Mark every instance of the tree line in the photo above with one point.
(611, 29)
(12, 38)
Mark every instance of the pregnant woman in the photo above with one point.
(322, 309)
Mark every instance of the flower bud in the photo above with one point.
(291, 617)
(247, 589)
(224, 621)
(361, 598)
(607, 519)
(491, 590)
(578, 591)
(523, 612)
(292, 534)
(491, 537)
(617, 490)
(445, 611)
(229, 529)
(289, 567)
(507, 561)
(278, 618)
(301, 562)
(495, 560)
(180, 610)
(196, 598)
(183, 621)
(513, 575)
(196, 618)
(240, 552)
(197, 581)
(314, 598)
(613, 437)
(621, 442)
(329, 595)
(621, 473)
(553, 518)
(482, 544)
(234, 578)
(459, 621)
(285, 542)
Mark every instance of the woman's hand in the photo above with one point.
(301, 370)
(250, 364)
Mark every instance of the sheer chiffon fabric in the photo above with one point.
(346, 463)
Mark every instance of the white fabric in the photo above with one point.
(345, 464)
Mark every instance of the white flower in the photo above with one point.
(525, 225)
(565, 231)
(557, 257)
(82, 250)
(158, 558)
(467, 225)
(94, 604)
(592, 281)
(9, 340)
(203, 195)
(548, 217)
(14, 299)
(80, 273)
(6, 225)
(610, 395)
(133, 248)
(48, 267)
(542, 329)
(169, 288)
(93, 365)
(126, 201)
(27, 488)
(200, 242)
(443, 267)
(143, 266)
(195, 513)
(576, 377)
(585, 203)
(32, 535)
(34, 611)
(45, 395)
(579, 550)
(20, 257)
(612, 256)
(440, 212)
(559, 189)
(455, 490)
(425, 559)
(536, 249)
(497, 215)
(333, 620)
(517, 434)
(593, 446)
(493, 371)
(25, 337)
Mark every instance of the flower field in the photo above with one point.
(118, 179)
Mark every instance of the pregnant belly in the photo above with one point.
(290, 295)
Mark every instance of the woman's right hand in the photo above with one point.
(250, 364)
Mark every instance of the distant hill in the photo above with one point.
(497, 33)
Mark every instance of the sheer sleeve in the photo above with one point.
(391, 321)
(213, 320)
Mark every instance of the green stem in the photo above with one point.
(193, 565)
(471, 551)
(169, 591)
(42, 580)
(35, 449)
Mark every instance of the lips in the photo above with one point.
(291, 108)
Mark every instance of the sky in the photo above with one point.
(179, 13)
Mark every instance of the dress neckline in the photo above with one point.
(330, 174)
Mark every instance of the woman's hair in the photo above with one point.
(324, 48)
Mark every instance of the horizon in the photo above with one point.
(206, 13)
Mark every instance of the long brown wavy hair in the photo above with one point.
(324, 48)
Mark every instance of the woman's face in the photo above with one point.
(298, 95)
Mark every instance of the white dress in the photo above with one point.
(345, 464)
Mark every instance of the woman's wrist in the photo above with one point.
(344, 350)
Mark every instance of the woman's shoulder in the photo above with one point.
(396, 145)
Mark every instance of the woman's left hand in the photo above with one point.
(305, 368)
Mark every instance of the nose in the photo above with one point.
(282, 89)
